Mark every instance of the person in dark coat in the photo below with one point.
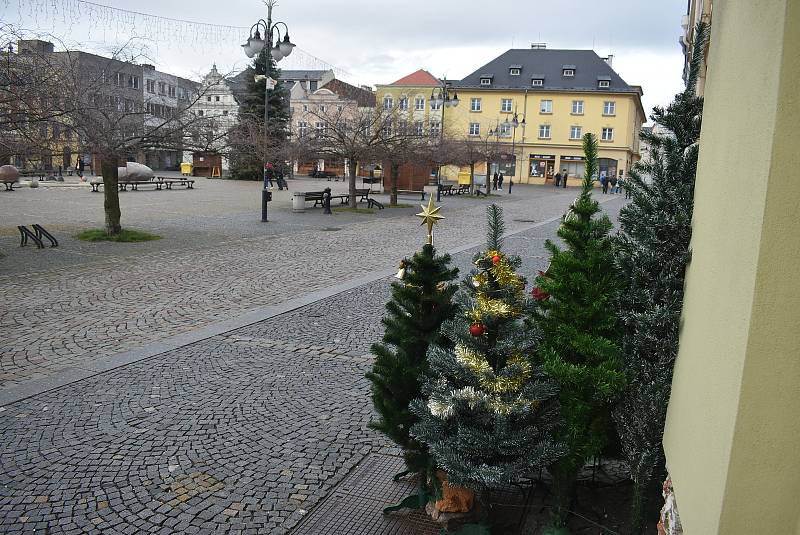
(494, 180)
(564, 176)
(500, 181)
(557, 180)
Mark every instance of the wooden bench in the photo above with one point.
(412, 192)
(168, 182)
(158, 182)
(462, 188)
(317, 196)
(446, 189)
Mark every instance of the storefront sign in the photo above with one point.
(543, 157)
(572, 158)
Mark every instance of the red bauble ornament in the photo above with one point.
(477, 329)
(496, 259)
(539, 294)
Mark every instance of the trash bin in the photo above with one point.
(186, 168)
(299, 202)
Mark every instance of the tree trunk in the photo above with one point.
(352, 171)
(565, 480)
(395, 168)
(472, 177)
(111, 194)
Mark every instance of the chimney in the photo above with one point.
(538, 46)
(148, 67)
(609, 60)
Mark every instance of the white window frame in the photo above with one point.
(610, 107)
(505, 130)
(419, 128)
(320, 128)
(475, 104)
(514, 71)
(573, 130)
(545, 131)
(305, 107)
(402, 104)
(388, 102)
(537, 82)
(419, 103)
(607, 134)
(568, 72)
(506, 105)
(577, 107)
(603, 84)
(302, 129)
(546, 106)
(474, 129)
(151, 86)
(486, 81)
(387, 128)
(435, 128)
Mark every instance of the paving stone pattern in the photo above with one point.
(239, 433)
(62, 318)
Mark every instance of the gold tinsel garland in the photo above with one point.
(476, 363)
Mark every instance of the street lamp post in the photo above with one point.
(279, 49)
(442, 99)
(514, 123)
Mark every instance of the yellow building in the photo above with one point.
(557, 96)
(410, 99)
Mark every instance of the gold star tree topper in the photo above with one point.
(430, 216)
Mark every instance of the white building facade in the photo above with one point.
(217, 105)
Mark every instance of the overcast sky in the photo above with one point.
(380, 41)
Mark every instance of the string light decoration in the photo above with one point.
(108, 23)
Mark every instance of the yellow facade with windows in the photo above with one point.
(549, 140)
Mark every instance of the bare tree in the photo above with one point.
(50, 95)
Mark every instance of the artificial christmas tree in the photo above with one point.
(487, 413)
(652, 250)
(421, 301)
(575, 315)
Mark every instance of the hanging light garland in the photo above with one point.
(122, 24)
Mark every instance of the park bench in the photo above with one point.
(412, 192)
(317, 196)
(168, 182)
(9, 184)
(462, 188)
(158, 182)
(446, 189)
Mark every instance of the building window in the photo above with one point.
(569, 72)
(321, 128)
(119, 80)
(199, 112)
(172, 91)
(513, 71)
(603, 84)
(305, 107)
(339, 108)
(224, 112)
(208, 99)
(133, 81)
(609, 107)
(216, 99)
(544, 131)
(575, 132)
(505, 130)
(387, 129)
(388, 102)
(402, 104)
(546, 106)
(151, 86)
(436, 128)
(607, 134)
(302, 129)
(505, 105)
(418, 128)
(474, 129)
(162, 88)
(577, 107)
(419, 103)
(537, 82)
(312, 85)
(475, 104)
(436, 105)
(322, 108)
(486, 81)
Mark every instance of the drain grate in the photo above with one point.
(331, 229)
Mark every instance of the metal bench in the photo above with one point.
(407, 192)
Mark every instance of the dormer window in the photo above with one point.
(486, 81)
(515, 70)
(569, 72)
(603, 84)
(537, 82)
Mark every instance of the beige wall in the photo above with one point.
(733, 427)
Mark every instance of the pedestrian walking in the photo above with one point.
(613, 182)
(510, 183)
(604, 181)
(268, 172)
(564, 175)
(79, 168)
(557, 180)
(494, 180)
(500, 181)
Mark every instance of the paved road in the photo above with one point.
(239, 433)
(64, 308)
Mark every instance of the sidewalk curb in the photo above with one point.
(75, 374)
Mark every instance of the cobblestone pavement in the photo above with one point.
(238, 433)
(68, 306)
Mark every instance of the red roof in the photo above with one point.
(419, 78)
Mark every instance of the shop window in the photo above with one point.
(607, 166)
(542, 167)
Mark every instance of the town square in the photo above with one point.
(339, 268)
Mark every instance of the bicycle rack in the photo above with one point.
(25, 233)
(40, 231)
